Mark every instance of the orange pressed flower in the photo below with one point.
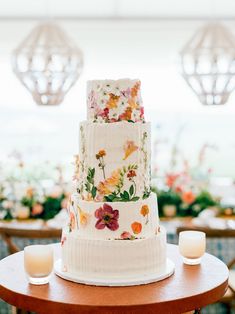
(126, 115)
(135, 89)
(136, 227)
(188, 197)
(112, 102)
(114, 179)
(100, 154)
(103, 188)
(144, 210)
(129, 148)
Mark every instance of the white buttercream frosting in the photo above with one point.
(109, 259)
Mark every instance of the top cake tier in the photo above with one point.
(114, 100)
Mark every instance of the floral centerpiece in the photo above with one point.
(184, 189)
(29, 191)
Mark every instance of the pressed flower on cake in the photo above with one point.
(100, 157)
(145, 212)
(83, 217)
(107, 217)
(127, 236)
(129, 148)
(136, 227)
(112, 102)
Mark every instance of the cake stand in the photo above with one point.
(118, 282)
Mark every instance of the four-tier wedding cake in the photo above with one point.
(113, 232)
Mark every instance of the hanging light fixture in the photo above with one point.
(48, 63)
(208, 64)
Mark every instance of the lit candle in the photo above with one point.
(38, 263)
(192, 246)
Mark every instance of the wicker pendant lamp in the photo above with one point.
(208, 64)
(47, 63)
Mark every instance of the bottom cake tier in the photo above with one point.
(110, 259)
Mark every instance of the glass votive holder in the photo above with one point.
(192, 246)
(38, 263)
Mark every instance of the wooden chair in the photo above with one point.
(229, 297)
(25, 230)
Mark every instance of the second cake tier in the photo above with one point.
(114, 163)
(116, 220)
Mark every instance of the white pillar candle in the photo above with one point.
(192, 245)
(38, 263)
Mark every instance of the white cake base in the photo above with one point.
(169, 270)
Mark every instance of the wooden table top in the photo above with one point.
(190, 287)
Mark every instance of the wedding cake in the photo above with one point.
(113, 232)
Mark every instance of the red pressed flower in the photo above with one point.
(107, 217)
(131, 174)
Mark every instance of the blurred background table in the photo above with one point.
(18, 234)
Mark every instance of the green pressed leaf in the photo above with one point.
(134, 199)
(117, 199)
(93, 172)
(87, 187)
(131, 190)
(126, 195)
(93, 191)
(107, 199)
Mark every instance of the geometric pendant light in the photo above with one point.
(208, 64)
(47, 63)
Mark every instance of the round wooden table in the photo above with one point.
(190, 287)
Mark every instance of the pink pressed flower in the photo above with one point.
(97, 110)
(107, 217)
(92, 98)
(104, 113)
(141, 112)
(126, 235)
(63, 239)
(126, 93)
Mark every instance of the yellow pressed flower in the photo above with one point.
(132, 103)
(135, 89)
(83, 217)
(129, 148)
(88, 197)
